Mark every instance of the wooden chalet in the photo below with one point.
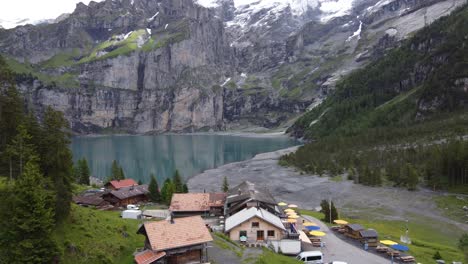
(94, 199)
(127, 195)
(204, 204)
(176, 241)
(118, 184)
(352, 230)
(370, 237)
(247, 195)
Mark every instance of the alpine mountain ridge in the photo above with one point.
(144, 66)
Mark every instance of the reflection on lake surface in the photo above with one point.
(162, 154)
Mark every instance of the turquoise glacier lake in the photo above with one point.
(162, 154)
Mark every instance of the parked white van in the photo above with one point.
(311, 257)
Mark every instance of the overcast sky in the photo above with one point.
(36, 9)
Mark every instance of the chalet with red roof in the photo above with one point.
(118, 184)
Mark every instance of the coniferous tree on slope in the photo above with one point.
(26, 234)
(153, 188)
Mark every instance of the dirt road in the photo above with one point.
(337, 249)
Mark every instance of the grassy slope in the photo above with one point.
(452, 206)
(93, 236)
(427, 235)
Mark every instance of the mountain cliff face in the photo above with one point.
(182, 65)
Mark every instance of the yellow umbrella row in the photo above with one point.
(292, 206)
(388, 242)
(317, 233)
(340, 222)
(282, 204)
(309, 224)
(293, 216)
(289, 210)
(291, 213)
(292, 221)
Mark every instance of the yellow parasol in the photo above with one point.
(293, 216)
(291, 213)
(340, 222)
(289, 210)
(317, 233)
(292, 206)
(292, 221)
(282, 204)
(388, 242)
(309, 224)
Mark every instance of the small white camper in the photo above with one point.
(131, 214)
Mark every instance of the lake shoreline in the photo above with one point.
(215, 133)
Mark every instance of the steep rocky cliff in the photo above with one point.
(182, 65)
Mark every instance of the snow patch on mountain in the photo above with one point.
(208, 3)
(357, 33)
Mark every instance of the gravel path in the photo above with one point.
(288, 185)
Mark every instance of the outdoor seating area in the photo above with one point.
(368, 238)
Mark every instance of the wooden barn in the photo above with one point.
(370, 237)
(353, 230)
(127, 195)
(176, 241)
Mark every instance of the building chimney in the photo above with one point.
(171, 218)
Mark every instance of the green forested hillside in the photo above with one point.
(400, 120)
(420, 80)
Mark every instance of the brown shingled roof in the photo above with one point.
(182, 232)
(196, 202)
(190, 202)
(128, 192)
(217, 199)
(148, 256)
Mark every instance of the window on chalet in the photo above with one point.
(271, 233)
(255, 224)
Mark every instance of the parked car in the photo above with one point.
(311, 257)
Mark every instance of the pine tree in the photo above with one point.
(185, 188)
(167, 190)
(325, 210)
(153, 190)
(177, 181)
(225, 187)
(437, 255)
(27, 238)
(83, 170)
(412, 177)
(121, 174)
(115, 172)
(57, 162)
(20, 149)
(334, 212)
